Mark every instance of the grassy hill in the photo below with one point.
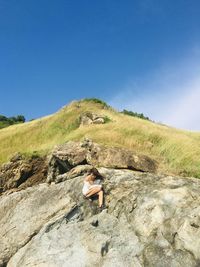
(177, 151)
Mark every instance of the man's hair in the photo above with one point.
(95, 172)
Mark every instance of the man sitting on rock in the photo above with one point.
(90, 188)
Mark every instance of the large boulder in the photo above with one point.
(65, 157)
(113, 157)
(150, 220)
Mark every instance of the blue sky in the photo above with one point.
(141, 55)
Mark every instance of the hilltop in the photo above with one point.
(176, 151)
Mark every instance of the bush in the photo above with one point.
(135, 114)
(107, 119)
(96, 100)
(20, 118)
(3, 118)
(4, 124)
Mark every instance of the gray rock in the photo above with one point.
(24, 213)
(151, 220)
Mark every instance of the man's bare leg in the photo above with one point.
(93, 191)
(100, 198)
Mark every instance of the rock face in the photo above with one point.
(66, 156)
(20, 173)
(151, 220)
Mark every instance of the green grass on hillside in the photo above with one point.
(176, 151)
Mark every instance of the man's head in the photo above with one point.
(93, 173)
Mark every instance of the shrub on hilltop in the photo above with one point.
(96, 100)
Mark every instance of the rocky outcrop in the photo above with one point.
(150, 220)
(67, 156)
(89, 118)
(68, 161)
(20, 173)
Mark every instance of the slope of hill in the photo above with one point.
(177, 151)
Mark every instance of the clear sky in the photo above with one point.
(141, 55)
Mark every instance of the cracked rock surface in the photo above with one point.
(151, 220)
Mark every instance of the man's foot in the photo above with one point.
(103, 207)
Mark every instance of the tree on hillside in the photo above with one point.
(3, 118)
(6, 121)
(20, 118)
